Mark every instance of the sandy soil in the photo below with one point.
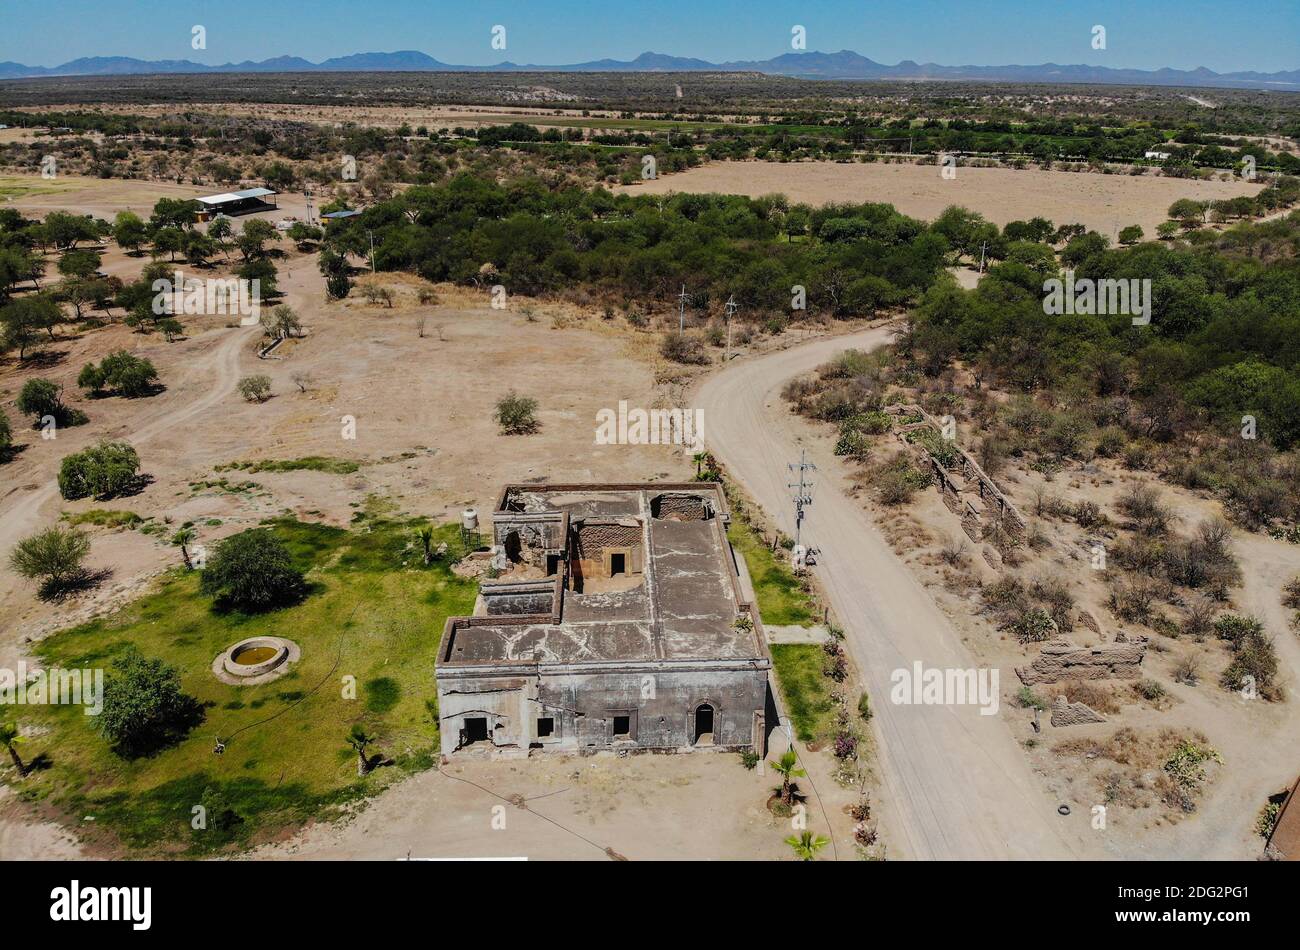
(1104, 203)
(955, 784)
(425, 435)
(1248, 734)
(643, 807)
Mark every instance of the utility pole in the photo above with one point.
(681, 311)
(731, 312)
(371, 234)
(802, 490)
(307, 194)
(983, 247)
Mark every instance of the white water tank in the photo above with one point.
(469, 519)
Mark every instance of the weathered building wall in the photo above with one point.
(513, 599)
(593, 544)
(527, 536)
(661, 707)
(680, 508)
(1061, 660)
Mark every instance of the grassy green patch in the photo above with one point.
(805, 691)
(373, 621)
(104, 518)
(781, 598)
(312, 463)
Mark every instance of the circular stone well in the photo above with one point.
(255, 660)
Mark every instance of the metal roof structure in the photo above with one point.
(233, 196)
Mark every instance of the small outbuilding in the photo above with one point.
(248, 201)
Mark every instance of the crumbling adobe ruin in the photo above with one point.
(1061, 660)
(966, 488)
(614, 622)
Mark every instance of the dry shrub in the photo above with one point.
(1141, 502)
(1093, 695)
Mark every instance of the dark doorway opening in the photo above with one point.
(514, 547)
(617, 564)
(475, 729)
(622, 727)
(552, 565)
(704, 724)
(545, 727)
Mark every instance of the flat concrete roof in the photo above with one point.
(684, 609)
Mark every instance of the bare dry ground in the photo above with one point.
(426, 439)
(1103, 203)
(377, 116)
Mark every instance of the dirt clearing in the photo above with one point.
(1103, 203)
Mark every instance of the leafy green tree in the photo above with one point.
(174, 213)
(220, 230)
(6, 437)
(82, 264)
(807, 845)
(129, 231)
(281, 322)
(171, 328)
(40, 398)
(144, 709)
(255, 388)
(198, 248)
(1130, 235)
(252, 238)
(252, 571)
(102, 471)
(122, 372)
(260, 270)
(168, 241)
(183, 538)
(516, 414)
(788, 768)
(54, 557)
(65, 230)
(359, 739)
(9, 738)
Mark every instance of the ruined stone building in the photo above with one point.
(617, 623)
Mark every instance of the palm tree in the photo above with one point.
(806, 845)
(698, 458)
(786, 768)
(425, 534)
(184, 537)
(358, 738)
(9, 737)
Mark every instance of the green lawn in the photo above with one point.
(375, 613)
(781, 600)
(313, 463)
(805, 692)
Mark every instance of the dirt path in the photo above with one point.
(22, 514)
(956, 785)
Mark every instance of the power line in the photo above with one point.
(802, 490)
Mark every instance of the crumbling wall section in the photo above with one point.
(1061, 660)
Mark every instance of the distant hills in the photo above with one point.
(845, 64)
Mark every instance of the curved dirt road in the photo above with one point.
(207, 382)
(956, 786)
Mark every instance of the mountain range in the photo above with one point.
(845, 64)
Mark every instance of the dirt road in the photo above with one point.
(956, 785)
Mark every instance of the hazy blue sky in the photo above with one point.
(1220, 34)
